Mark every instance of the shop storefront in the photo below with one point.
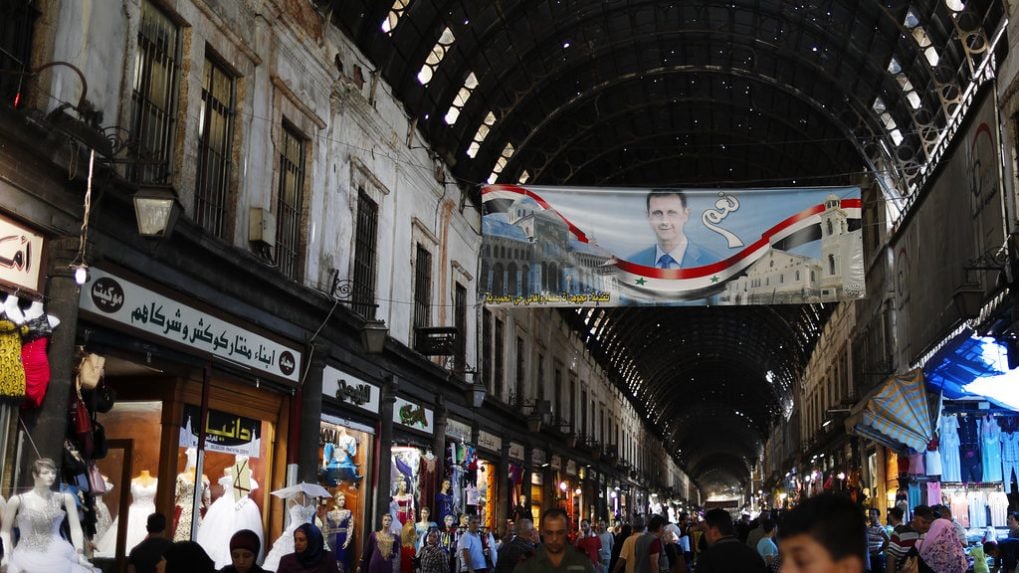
(539, 498)
(414, 472)
(347, 447)
(162, 356)
(486, 480)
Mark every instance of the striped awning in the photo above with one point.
(897, 414)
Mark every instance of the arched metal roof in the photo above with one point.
(732, 93)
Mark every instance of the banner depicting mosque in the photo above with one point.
(572, 246)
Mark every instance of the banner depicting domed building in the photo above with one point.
(573, 246)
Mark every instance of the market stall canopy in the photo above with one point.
(896, 414)
(973, 366)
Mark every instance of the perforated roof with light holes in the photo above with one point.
(740, 93)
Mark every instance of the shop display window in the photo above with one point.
(130, 468)
(343, 470)
(537, 497)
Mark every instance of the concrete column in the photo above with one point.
(382, 494)
(311, 414)
(48, 423)
(439, 449)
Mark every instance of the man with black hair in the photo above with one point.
(1005, 553)
(627, 559)
(147, 554)
(555, 552)
(906, 536)
(824, 534)
(725, 553)
(647, 549)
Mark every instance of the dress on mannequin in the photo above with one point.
(340, 529)
(184, 492)
(103, 518)
(443, 502)
(226, 517)
(932, 459)
(33, 355)
(39, 514)
(12, 372)
(339, 459)
(143, 494)
(284, 544)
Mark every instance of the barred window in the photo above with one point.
(365, 239)
(154, 96)
(521, 370)
(290, 202)
(17, 20)
(422, 288)
(215, 132)
(541, 376)
(460, 322)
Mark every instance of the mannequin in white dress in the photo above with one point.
(39, 514)
(230, 513)
(143, 494)
(301, 511)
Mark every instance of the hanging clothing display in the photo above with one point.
(1010, 457)
(427, 486)
(916, 466)
(950, 462)
(35, 360)
(933, 493)
(969, 449)
(960, 508)
(997, 502)
(914, 494)
(990, 452)
(226, 517)
(977, 509)
(932, 459)
(12, 372)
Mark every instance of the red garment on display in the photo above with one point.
(37, 371)
(407, 559)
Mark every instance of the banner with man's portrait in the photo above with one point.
(571, 246)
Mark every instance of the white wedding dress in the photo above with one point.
(142, 505)
(284, 545)
(40, 548)
(226, 517)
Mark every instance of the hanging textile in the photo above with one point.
(897, 414)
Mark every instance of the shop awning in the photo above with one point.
(895, 414)
(972, 366)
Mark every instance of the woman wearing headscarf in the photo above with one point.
(244, 546)
(310, 554)
(186, 557)
(939, 551)
(432, 556)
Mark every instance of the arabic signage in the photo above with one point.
(557, 462)
(538, 457)
(412, 415)
(224, 432)
(489, 441)
(350, 389)
(516, 451)
(111, 297)
(570, 246)
(20, 255)
(459, 430)
(571, 467)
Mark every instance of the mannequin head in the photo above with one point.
(340, 500)
(425, 514)
(523, 500)
(463, 520)
(44, 471)
(401, 487)
(387, 522)
(448, 520)
(445, 486)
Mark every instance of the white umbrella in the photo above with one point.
(308, 489)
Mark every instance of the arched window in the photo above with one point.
(830, 228)
(831, 264)
(497, 279)
(512, 279)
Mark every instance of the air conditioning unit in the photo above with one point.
(262, 227)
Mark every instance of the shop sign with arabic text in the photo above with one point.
(412, 415)
(109, 296)
(225, 433)
(350, 389)
(20, 255)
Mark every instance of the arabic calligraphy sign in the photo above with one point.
(350, 389)
(224, 432)
(459, 430)
(516, 451)
(109, 296)
(489, 441)
(20, 255)
(412, 415)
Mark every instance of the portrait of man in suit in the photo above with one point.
(667, 214)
